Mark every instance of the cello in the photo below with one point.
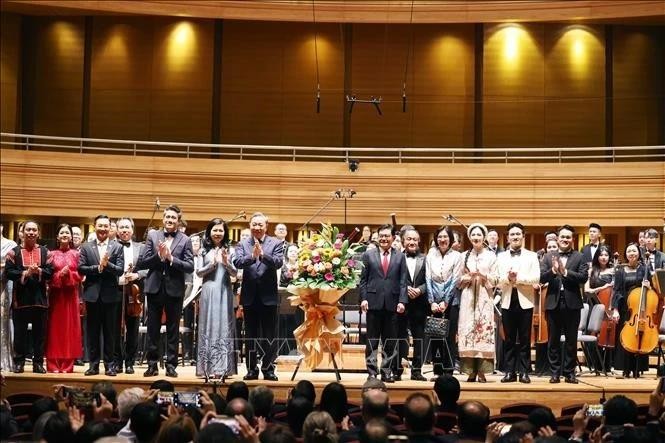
(639, 334)
(607, 333)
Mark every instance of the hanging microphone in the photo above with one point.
(157, 202)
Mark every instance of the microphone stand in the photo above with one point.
(306, 224)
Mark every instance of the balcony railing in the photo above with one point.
(612, 154)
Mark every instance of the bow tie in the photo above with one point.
(411, 254)
(169, 234)
(515, 252)
(126, 244)
(565, 254)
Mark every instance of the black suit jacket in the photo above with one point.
(418, 306)
(659, 260)
(383, 291)
(578, 273)
(171, 275)
(259, 276)
(101, 284)
(586, 252)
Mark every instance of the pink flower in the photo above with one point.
(338, 244)
(340, 235)
(329, 276)
(316, 259)
(351, 263)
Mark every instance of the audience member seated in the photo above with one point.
(237, 389)
(145, 421)
(375, 431)
(334, 401)
(8, 425)
(306, 389)
(262, 400)
(217, 433)
(447, 389)
(277, 434)
(219, 401)
(162, 385)
(419, 418)
(91, 431)
(240, 406)
(375, 407)
(297, 411)
(53, 427)
(177, 429)
(541, 418)
(473, 418)
(38, 408)
(319, 427)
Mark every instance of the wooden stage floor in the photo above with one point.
(493, 393)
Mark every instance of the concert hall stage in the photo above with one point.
(493, 393)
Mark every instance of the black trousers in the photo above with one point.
(381, 328)
(440, 357)
(517, 345)
(102, 318)
(21, 318)
(452, 314)
(415, 323)
(125, 349)
(261, 330)
(172, 306)
(563, 321)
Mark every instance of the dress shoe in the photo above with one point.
(270, 376)
(38, 368)
(509, 378)
(472, 378)
(19, 368)
(554, 379)
(129, 369)
(92, 370)
(398, 377)
(418, 376)
(524, 378)
(251, 375)
(78, 362)
(571, 379)
(387, 379)
(481, 378)
(170, 372)
(110, 372)
(151, 371)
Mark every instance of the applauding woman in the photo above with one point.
(216, 357)
(63, 338)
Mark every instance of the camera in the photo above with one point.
(82, 399)
(165, 398)
(185, 399)
(229, 422)
(594, 410)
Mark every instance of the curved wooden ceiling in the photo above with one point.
(339, 11)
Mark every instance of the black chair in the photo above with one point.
(520, 408)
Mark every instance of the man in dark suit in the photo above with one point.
(417, 309)
(126, 346)
(102, 262)
(565, 271)
(589, 250)
(259, 257)
(656, 257)
(167, 257)
(383, 295)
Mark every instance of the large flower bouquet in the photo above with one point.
(326, 270)
(325, 261)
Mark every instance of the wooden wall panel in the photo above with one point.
(639, 57)
(59, 75)
(574, 85)
(514, 86)
(419, 193)
(269, 84)
(151, 79)
(439, 85)
(9, 70)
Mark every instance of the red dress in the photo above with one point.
(63, 339)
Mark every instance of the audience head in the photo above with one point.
(619, 410)
(91, 431)
(419, 413)
(127, 400)
(447, 389)
(217, 433)
(541, 417)
(54, 428)
(473, 418)
(334, 401)
(240, 406)
(375, 405)
(163, 385)
(237, 389)
(297, 409)
(177, 429)
(145, 421)
(319, 427)
(108, 390)
(262, 400)
(277, 434)
(41, 406)
(304, 388)
(375, 431)
(219, 401)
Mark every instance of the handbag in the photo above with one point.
(436, 327)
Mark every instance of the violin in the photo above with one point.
(607, 333)
(133, 293)
(639, 334)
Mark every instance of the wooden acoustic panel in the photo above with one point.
(9, 62)
(419, 193)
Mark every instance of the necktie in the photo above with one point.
(385, 263)
(515, 252)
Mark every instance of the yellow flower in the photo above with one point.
(344, 270)
(329, 266)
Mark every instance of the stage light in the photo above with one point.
(181, 44)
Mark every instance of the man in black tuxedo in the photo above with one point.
(417, 309)
(125, 350)
(589, 250)
(383, 296)
(168, 257)
(102, 262)
(656, 257)
(259, 257)
(565, 271)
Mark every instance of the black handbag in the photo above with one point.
(436, 327)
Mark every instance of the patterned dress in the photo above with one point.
(476, 316)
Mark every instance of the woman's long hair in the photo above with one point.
(208, 244)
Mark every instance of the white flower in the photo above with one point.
(336, 261)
